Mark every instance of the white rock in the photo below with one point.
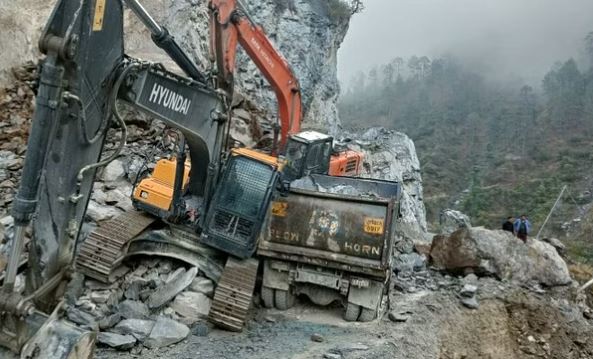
(192, 305)
(451, 220)
(166, 332)
(202, 285)
(114, 171)
(99, 213)
(168, 291)
(139, 328)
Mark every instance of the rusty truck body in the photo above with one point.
(330, 239)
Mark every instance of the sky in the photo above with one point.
(519, 39)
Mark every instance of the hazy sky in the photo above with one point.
(501, 37)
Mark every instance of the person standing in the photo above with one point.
(522, 227)
(509, 225)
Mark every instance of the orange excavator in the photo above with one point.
(306, 152)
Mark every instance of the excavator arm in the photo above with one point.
(230, 25)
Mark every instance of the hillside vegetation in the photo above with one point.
(486, 148)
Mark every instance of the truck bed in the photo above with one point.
(341, 222)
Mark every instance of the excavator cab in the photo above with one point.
(241, 201)
(311, 152)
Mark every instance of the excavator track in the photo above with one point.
(104, 249)
(233, 294)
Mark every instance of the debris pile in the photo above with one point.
(153, 304)
(16, 108)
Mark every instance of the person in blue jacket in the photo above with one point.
(522, 227)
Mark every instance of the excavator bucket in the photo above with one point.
(58, 339)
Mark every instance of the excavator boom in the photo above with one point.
(231, 25)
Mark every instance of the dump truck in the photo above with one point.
(331, 239)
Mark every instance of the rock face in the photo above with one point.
(21, 24)
(392, 155)
(452, 220)
(307, 33)
(499, 253)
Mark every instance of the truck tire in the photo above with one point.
(284, 299)
(352, 312)
(267, 296)
(366, 315)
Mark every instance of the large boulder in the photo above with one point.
(391, 155)
(499, 253)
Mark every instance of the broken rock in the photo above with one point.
(109, 321)
(202, 285)
(139, 328)
(166, 332)
(471, 302)
(168, 291)
(131, 309)
(192, 306)
(99, 213)
(399, 317)
(117, 341)
(452, 220)
(468, 291)
(114, 171)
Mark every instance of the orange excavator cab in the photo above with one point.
(312, 152)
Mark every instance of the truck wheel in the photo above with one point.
(352, 312)
(284, 299)
(267, 295)
(366, 315)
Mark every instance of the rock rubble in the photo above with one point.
(158, 313)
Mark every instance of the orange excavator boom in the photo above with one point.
(230, 25)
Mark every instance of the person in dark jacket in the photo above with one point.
(509, 225)
(522, 227)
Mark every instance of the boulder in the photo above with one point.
(131, 309)
(499, 253)
(81, 318)
(99, 213)
(202, 285)
(408, 263)
(109, 321)
(452, 220)
(166, 332)
(192, 306)
(139, 328)
(114, 171)
(166, 292)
